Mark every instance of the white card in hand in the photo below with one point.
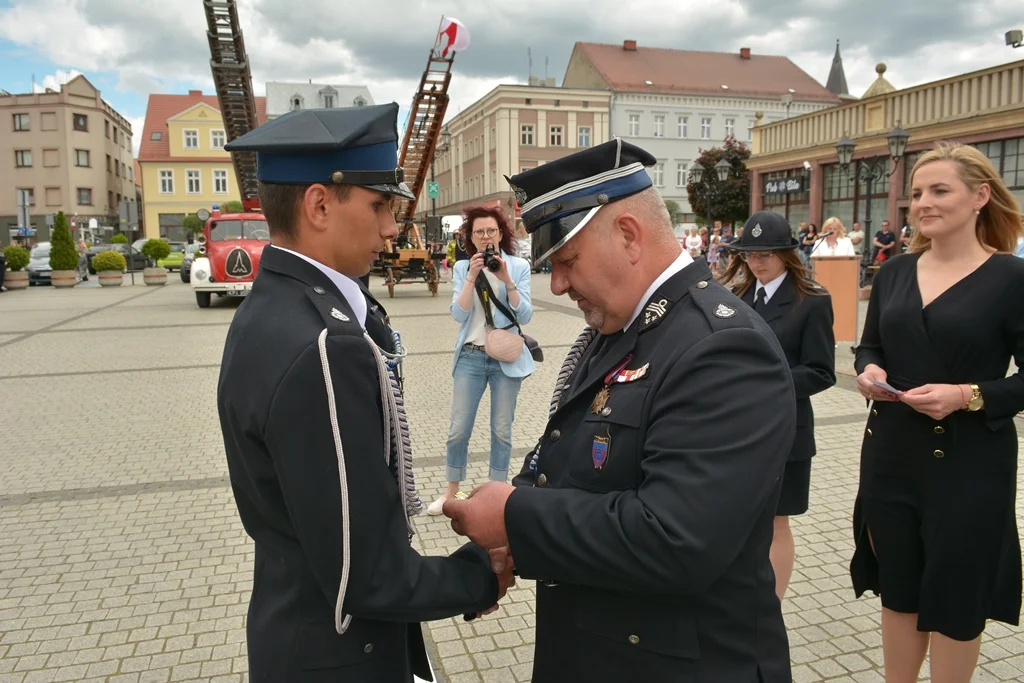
(887, 387)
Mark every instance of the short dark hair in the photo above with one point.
(473, 213)
(280, 204)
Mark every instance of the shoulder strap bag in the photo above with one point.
(501, 344)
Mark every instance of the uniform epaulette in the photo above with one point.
(333, 312)
(718, 306)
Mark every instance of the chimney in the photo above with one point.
(629, 45)
(195, 93)
(744, 53)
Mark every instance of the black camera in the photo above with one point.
(490, 260)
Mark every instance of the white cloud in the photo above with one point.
(55, 80)
(137, 123)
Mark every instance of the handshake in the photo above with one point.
(481, 517)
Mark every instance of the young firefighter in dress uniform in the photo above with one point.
(645, 511)
(314, 426)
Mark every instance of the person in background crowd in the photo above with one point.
(3, 270)
(779, 288)
(810, 236)
(836, 243)
(934, 520)
(857, 238)
(884, 243)
(473, 370)
(693, 243)
(714, 242)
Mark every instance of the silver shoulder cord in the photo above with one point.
(396, 433)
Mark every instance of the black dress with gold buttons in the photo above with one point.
(938, 495)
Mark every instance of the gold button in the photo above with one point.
(542, 480)
(938, 454)
(940, 430)
(634, 640)
(874, 411)
(869, 432)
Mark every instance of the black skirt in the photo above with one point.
(796, 489)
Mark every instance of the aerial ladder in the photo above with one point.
(233, 82)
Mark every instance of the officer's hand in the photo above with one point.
(501, 559)
(481, 516)
(476, 264)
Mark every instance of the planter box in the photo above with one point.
(16, 279)
(111, 278)
(154, 276)
(64, 279)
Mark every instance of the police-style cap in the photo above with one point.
(559, 198)
(765, 231)
(353, 145)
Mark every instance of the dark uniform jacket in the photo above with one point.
(654, 566)
(803, 326)
(292, 498)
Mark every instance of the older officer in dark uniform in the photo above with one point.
(646, 509)
(313, 423)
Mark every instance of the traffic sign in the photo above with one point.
(432, 191)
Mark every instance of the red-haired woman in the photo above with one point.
(473, 369)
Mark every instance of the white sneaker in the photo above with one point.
(435, 508)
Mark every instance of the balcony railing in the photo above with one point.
(989, 91)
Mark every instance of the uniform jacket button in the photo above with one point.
(940, 429)
(368, 648)
(542, 480)
(874, 411)
(555, 435)
(702, 284)
(606, 412)
(869, 432)
(319, 290)
(634, 640)
(938, 454)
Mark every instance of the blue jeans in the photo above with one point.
(474, 372)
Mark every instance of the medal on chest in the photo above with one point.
(620, 375)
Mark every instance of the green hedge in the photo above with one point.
(109, 260)
(17, 257)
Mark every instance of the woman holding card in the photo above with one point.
(934, 521)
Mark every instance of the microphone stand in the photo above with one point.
(821, 241)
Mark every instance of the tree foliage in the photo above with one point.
(156, 249)
(17, 257)
(63, 255)
(674, 212)
(119, 238)
(192, 223)
(232, 207)
(730, 201)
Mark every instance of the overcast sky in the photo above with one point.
(130, 48)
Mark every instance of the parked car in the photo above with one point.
(175, 258)
(39, 265)
(186, 263)
(136, 263)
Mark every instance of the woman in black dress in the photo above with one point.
(777, 285)
(934, 523)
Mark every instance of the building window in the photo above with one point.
(217, 139)
(21, 122)
(85, 196)
(750, 130)
(80, 122)
(106, 128)
(108, 164)
(110, 199)
(795, 206)
(683, 125)
(659, 125)
(359, 102)
(681, 174)
(658, 174)
(53, 196)
(730, 128)
(583, 138)
(191, 139)
(526, 134)
(117, 169)
(192, 185)
(556, 136)
(328, 101)
(166, 182)
(155, 136)
(705, 128)
(1007, 156)
(82, 158)
(23, 158)
(124, 170)
(634, 125)
(115, 135)
(296, 102)
(220, 182)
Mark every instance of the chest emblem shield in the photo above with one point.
(600, 450)
(724, 311)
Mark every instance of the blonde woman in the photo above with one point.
(934, 522)
(835, 244)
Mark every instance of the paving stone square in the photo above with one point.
(121, 555)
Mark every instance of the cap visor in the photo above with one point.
(553, 235)
(397, 190)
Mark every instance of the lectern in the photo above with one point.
(838, 274)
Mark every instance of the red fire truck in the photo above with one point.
(228, 258)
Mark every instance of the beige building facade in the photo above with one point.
(63, 151)
(511, 129)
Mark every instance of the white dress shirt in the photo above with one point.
(771, 287)
(843, 247)
(681, 262)
(346, 285)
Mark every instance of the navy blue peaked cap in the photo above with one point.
(765, 231)
(352, 145)
(559, 198)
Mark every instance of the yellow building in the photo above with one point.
(184, 165)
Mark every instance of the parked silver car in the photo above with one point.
(39, 265)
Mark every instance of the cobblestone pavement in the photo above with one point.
(121, 555)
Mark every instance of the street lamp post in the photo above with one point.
(723, 168)
(870, 171)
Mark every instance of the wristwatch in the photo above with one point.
(976, 402)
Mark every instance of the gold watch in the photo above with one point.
(976, 402)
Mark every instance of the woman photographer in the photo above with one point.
(504, 279)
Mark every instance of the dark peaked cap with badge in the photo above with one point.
(559, 198)
(353, 146)
(765, 231)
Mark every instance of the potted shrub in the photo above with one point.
(17, 258)
(119, 238)
(154, 250)
(110, 267)
(63, 255)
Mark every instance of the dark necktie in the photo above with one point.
(759, 299)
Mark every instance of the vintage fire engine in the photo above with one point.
(228, 258)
